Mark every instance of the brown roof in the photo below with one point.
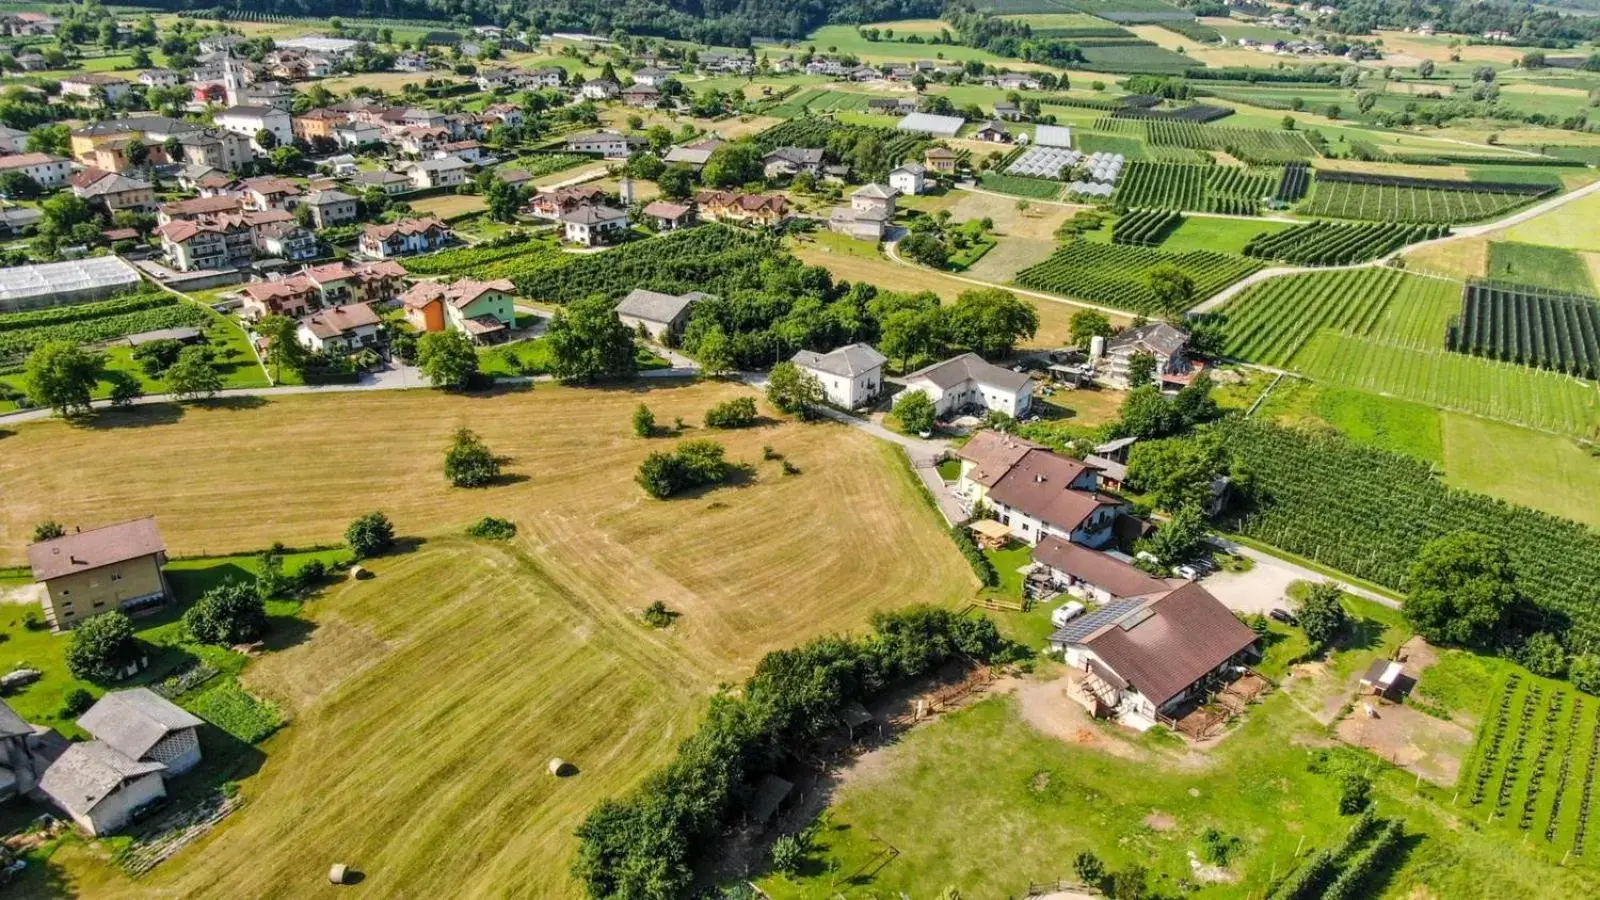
(1098, 569)
(83, 551)
(1038, 486)
(993, 453)
(1170, 643)
(340, 319)
(408, 226)
(23, 160)
(663, 209)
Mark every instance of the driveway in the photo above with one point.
(1266, 585)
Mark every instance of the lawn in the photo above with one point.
(1570, 225)
(1551, 267)
(1220, 235)
(1409, 428)
(1544, 471)
(462, 667)
(449, 206)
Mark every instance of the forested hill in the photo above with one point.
(727, 22)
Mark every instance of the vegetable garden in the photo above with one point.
(1144, 227)
(1532, 768)
(1196, 187)
(90, 323)
(1115, 275)
(1530, 326)
(1020, 185)
(1336, 243)
(1347, 195)
(1368, 512)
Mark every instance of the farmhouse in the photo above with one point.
(908, 179)
(789, 161)
(967, 382)
(87, 573)
(1095, 576)
(1045, 494)
(1157, 339)
(483, 310)
(986, 458)
(851, 376)
(940, 159)
(599, 89)
(339, 329)
(1142, 657)
(594, 224)
(992, 133)
(662, 316)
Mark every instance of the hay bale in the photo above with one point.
(359, 573)
(560, 768)
(337, 872)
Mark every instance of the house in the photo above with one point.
(548, 76)
(20, 763)
(1141, 658)
(610, 144)
(662, 316)
(554, 204)
(908, 179)
(248, 121)
(1017, 81)
(286, 240)
(435, 173)
(594, 224)
(941, 160)
(851, 376)
(86, 573)
(992, 133)
(32, 62)
(753, 209)
(1166, 344)
(142, 725)
(1045, 494)
(404, 237)
(45, 169)
(1007, 111)
(99, 788)
(652, 76)
(357, 134)
(270, 192)
(484, 310)
(341, 329)
(331, 207)
(95, 86)
(871, 207)
(892, 106)
(641, 95)
(986, 458)
(694, 155)
(599, 89)
(719, 61)
(786, 162)
(390, 182)
(967, 382)
(316, 287)
(318, 124)
(506, 114)
(219, 149)
(669, 216)
(207, 181)
(112, 192)
(160, 78)
(1093, 576)
(419, 140)
(200, 207)
(13, 140)
(293, 297)
(471, 152)
(411, 61)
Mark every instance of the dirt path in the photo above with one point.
(1046, 706)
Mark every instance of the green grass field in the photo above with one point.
(1551, 267)
(1220, 235)
(1383, 422)
(1571, 225)
(1493, 457)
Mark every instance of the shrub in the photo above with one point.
(1585, 673)
(1218, 848)
(790, 468)
(47, 531)
(769, 454)
(740, 412)
(980, 563)
(76, 703)
(1542, 654)
(794, 390)
(692, 464)
(469, 462)
(493, 528)
(1355, 792)
(230, 613)
(657, 615)
(370, 535)
(789, 852)
(101, 647)
(644, 421)
(915, 412)
(311, 574)
(1089, 869)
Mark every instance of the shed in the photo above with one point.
(855, 715)
(770, 793)
(1382, 677)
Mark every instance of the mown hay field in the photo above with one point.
(426, 702)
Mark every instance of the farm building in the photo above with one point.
(967, 382)
(927, 123)
(1052, 136)
(1158, 339)
(851, 375)
(660, 315)
(20, 762)
(1092, 575)
(86, 573)
(64, 283)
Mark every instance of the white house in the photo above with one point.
(431, 173)
(248, 120)
(340, 329)
(594, 224)
(606, 143)
(91, 85)
(49, 171)
(1046, 494)
(1166, 344)
(600, 89)
(968, 382)
(660, 315)
(851, 376)
(986, 458)
(909, 179)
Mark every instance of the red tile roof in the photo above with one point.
(1169, 644)
(1038, 485)
(992, 454)
(84, 551)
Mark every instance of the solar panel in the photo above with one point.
(1080, 628)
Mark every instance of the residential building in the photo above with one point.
(1006, 111)
(851, 376)
(610, 144)
(987, 457)
(1165, 344)
(968, 383)
(404, 237)
(554, 204)
(1094, 576)
(870, 210)
(1142, 658)
(317, 287)
(1045, 494)
(652, 76)
(471, 152)
(992, 133)
(95, 87)
(206, 181)
(219, 149)
(752, 209)
(669, 216)
(29, 24)
(642, 95)
(317, 124)
(293, 297)
(391, 182)
(47, 170)
(504, 113)
(13, 140)
(1017, 81)
(908, 179)
(786, 162)
(201, 207)
(420, 140)
(111, 192)
(719, 61)
(411, 61)
(661, 316)
(694, 155)
(941, 160)
(340, 329)
(483, 310)
(331, 207)
(357, 134)
(86, 573)
(160, 78)
(248, 121)
(599, 89)
(20, 762)
(594, 224)
(436, 173)
(286, 240)
(270, 192)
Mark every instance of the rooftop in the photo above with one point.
(83, 551)
(653, 306)
(88, 772)
(135, 720)
(1098, 569)
(970, 366)
(847, 361)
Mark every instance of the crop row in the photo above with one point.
(826, 131)
(1295, 182)
(1547, 743)
(1363, 864)
(1497, 736)
(60, 315)
(173, 313)
(1338, 243)
(1269, 322)
(1144, 227)
(1582, 833)
(1530, 326)
(1565, 771)
(1392, 203)
(1195, 187)
(1118, 275)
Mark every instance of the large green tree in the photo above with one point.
(101, 647)
(230, 613)
(193, 376)
(1461, 586)
(63, 376)
(469, 462)
(1087, 324)
(990, 321)
(447, 359)
(588, 342)
(733, 164)
(1176, 472)
(794, 390)
(1173, 287)
(1322, 614)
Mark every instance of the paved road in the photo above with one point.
(1262, 588)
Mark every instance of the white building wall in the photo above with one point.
(114, 811)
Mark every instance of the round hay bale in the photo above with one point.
(336, 873)
(559, 767)
(359, 573)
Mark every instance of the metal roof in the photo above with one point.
(69, 277)
(945, 126)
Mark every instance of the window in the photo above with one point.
(116, 576)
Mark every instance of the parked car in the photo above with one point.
(1065, 613)
(1284, 616)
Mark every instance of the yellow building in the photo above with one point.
(940, 160)
(87, 573)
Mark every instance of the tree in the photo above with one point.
(1177, 472)
(447, 359)
(1425, 68)
(1179, 538)
(1542, 654)
(1461, 586)
(502, 198)
(157, 356)
(1322, 615)
(469, 462)
(48, 531)
(587, 342)
(739, 412)
(1585, 673)
(733, 164)
(715, 352)
(283, 344)
(230, 613)
(1129, 883)
(370, 535)
(676, 182)
(926, 249)
(63, 376)
(1172, 286)
(793, 390)
(101, 647)
(19, 186)
(990, 321)
(915, 412)
(266, 139)
(1087, 324)
(1146, 414)
(124, 388)
(644, 421)
(1089, 869)
(193, 377)
(1141, 369)
(61, 213)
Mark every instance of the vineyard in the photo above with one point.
(1116, 275)
(486, 263)
(1144, 227)
(1195, 187)
(1345, 195)
(550, 163)
(1532, 770)
(815, 131)
(1257, 146)
(1340, 872)
(1337, 244)
(1294, 184)
(717, 259)
(91, 323)
(1368, 512)
(1530, 326)
(1270, 322)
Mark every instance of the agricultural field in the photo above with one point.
(1271, 322)
(1570, 225)
(1550, 267)
(1116, 275)
(1359, 197)
(1529, 326)
(1195, 187)
(450, 206)
(1254, 146)
(1144, 227)
(1020, 186)
(1335, 243)
(484, 262)
(1135, 58)
(1219, 234)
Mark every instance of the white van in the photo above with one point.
(1065, 613)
